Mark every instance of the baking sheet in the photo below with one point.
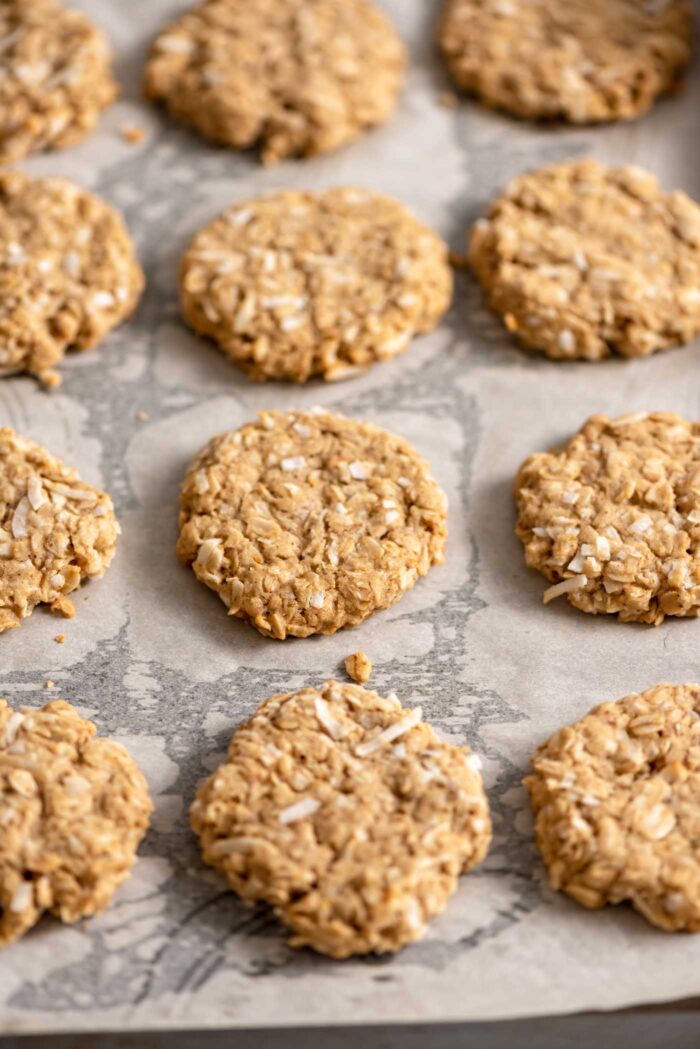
(153, 658)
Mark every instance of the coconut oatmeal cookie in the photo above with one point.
(68, 273)
(347, 814)
(613, 518)
(616, 798)
(55, 530)
(73, 809)
(306, 522)
(296, 78)
(55, 77)
(581, 61)
(294, 285)
(584, 261)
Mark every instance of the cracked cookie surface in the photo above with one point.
(583, 61)
(583, 261)
(73, 809)
(295, 78)
(55, 530)
(55, 77)
(346, 813)
(306, 522)
(68, 273)
(294, 285)
(613, 518)
(616, 798)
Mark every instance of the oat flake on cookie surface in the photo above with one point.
(344, 811)
(55, 530)
(294, 78)
(306, 522)
(580, 61)
(616, 798)
(583, 261)
(68, 273)
(73, 809)
(612, 519)
(55, 77)
(294, 285)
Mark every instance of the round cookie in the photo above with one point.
(55, 77)
(55, 530)
(68, 273)
(613, 518)
(73, 809)
(304, 523)
(616, 798)
(294, 285)
(582, 61)
(582, 261)
(295, 78)
(346, 813)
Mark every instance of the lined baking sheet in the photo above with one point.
(154, 659)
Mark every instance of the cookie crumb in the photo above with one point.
(60, 639)
(142, 417)
(358, 666)
(49, 684)
(133, 134)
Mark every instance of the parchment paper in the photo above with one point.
(154, 659)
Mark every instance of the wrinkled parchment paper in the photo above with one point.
(154, 659)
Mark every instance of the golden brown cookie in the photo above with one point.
(55, 77)
(346, 813)
(68, 273)
(612, 519)
(295, 78)
(73, 809)
(584, 261)
(306, 522)
(294, 285)
(616, 798)
(581, 61)
(55, 530)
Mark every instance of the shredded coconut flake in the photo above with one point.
(22, 897)
(388, 735)
(19, 519)
(357, 471)
(326, 719)
(565, 587)
(294, 462)
(299, 810)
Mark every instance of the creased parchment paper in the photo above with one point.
(154, 659)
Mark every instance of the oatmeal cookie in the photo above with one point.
(583, 261)
(296, 78)
(347, 814)
(55, 530)
(55, 77)
(73, 809)
(581, 61)
(616, 798)
(305, 522)
(294, 285)
(68, 273)
(613, 518)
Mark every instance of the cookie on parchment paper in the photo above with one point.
(344, 811)
(295, 78)
(583, 261)
(73, 809)
(55, 530)
(616, 798)
(612, 519)
(68, 273)
(294, 285)
(55, 77)
(306, 522)
(580, 61)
